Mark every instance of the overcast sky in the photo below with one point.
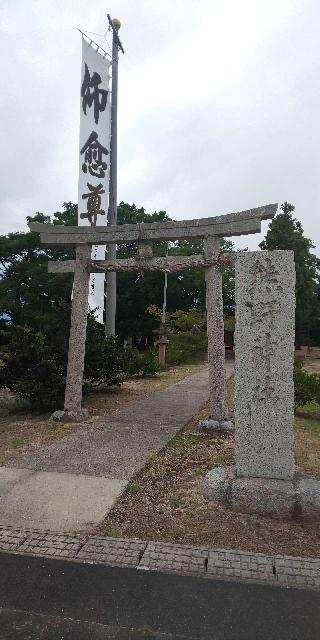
(219, 106)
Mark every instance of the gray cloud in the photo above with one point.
(218, 106)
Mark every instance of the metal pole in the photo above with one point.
(111, 278)
(164, 306)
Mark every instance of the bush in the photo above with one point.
(144, 364)
(306, 385)
(30, 370)
(186, 347)
(105, 361)
(184, 321)
(229, 323)
(34, 365)
(179, 320)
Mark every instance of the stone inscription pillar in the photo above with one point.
(264, 351)
(78, 329)
(215, 331)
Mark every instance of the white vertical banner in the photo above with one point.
(94, 157)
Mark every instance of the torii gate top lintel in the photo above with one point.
(232, 224)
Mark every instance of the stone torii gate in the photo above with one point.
(209, 229)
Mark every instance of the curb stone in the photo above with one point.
(279, 570)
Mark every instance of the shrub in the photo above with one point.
(30, 370)
(34, 364)
(144, 364)
(183, 321)
(186, 347)
(229, 323)
(180, 320)
(306, 385)
(105, 358)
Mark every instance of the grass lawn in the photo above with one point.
(22, 429)
(165, 502)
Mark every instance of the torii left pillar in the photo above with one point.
(73, 411)
(216, 349)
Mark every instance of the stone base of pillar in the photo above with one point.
(70, 416)
(294, 499)
(221, 426)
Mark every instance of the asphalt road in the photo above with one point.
(59, 600)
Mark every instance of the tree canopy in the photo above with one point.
(186, 290)
(285, 232)
(29, 295)
(35, 310)
(32, 297)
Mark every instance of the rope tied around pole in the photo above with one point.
(142, 265)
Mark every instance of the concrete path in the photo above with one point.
(71, 484)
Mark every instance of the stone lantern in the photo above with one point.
(161, 342)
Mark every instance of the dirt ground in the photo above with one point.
(21, 430)
(165, 501)
(310, 357)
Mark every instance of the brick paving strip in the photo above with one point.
(158, 556)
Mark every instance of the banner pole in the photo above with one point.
(111, 282)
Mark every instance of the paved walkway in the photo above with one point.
(71, 484)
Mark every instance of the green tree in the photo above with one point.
(28, 294)
(137, 292)
(285, 232)
(35, 309)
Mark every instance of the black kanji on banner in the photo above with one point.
(93, 203)
(92, 94)
(93, 156)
